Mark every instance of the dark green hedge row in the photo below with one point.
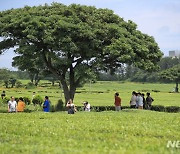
(159, 108)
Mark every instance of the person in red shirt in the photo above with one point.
(117, 102)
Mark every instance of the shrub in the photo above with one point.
(52, 108)
(172, 109)
(19, 84)
(159, 108)
(60, 105)
(27, 100)
(30, 85)
(37, 100)
(5, 100)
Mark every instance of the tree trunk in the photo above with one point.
(176, 88)
(66, 91)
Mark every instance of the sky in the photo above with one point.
(157, 18)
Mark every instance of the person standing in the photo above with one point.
(3, 94)
(133, 100)
(21, 105)
(12, 104)
(139, 101)
(149, 101)
(117, 102)
(144, 101)
(46, 105)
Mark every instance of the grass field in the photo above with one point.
(102, 93)
(128, 131)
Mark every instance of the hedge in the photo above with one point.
(158, 108)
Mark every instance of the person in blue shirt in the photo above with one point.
(46, 105)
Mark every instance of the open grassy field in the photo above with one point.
(128, 131)
(102, 93)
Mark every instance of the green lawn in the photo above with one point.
(102, 93)
(128, 131)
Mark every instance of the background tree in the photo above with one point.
(76, 41)
(30, 63)
(172, 74)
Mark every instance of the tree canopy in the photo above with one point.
(75, 41)
(172, 74)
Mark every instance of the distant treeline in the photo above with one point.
(132, 73)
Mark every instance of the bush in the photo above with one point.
(60, 105)
(52, 108)
(30, 85)
(5, 100)
(27, 100)
(19, 84)
(172, 109)
(37, 100)
(159, 108)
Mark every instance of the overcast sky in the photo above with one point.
(158, 18)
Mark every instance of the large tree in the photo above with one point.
(75, 41)
(172, 74)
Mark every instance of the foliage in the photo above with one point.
(30, 85)
(37, 100)
(76, 41)
(5, 100)
(27, 100)
(12, 81)
(31, 64)
(19, 84)
(172, 74)
(159, 108)
(59, 106)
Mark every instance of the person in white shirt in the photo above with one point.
(139, 101)
(12, 104)
(133, 100)
(87, 106)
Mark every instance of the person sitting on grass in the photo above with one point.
(71, 107)
(21, 105)
(86, 106)
(117, 102)
(12, 104)
(46, 105)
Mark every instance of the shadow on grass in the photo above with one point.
(25, 111)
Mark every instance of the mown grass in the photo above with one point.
(102, 93)
(128, 131)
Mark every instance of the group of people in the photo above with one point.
(19, 106)
(72, 109)
(14, 106)
(138, 101)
